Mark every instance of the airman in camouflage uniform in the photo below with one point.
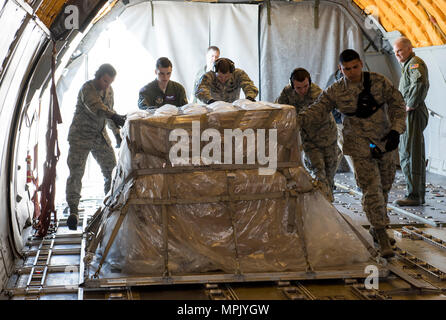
(212, 54)
(88, 133)
(374, 173)
(320, 141)
(414, 84)
(224, 84)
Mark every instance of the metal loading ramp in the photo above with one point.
(169, 223)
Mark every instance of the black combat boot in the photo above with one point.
(384, 244)
(73, 218)
(72, 221)
(373, 233)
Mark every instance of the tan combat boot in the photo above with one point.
(384, 243)
(372, 231)
(408, 202)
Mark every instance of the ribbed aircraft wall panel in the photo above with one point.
(2, 3)
(12, 82)
(435, 133)
(11, 19)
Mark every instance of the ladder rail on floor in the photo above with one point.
(41, 267)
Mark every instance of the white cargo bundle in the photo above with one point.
(193, 108)
(221, 106)
(246, 104)
(166, 110)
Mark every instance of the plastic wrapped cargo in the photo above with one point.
(207, 236)
(146, 138)
(330, 240)
(226, 218)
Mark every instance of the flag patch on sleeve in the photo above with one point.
(414, 66)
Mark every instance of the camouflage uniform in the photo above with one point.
(210, 87)
(373, 176)
(320, 141)
(338, 119)
(198, 76)
(152, 97)
(88, 134)
(414, 84)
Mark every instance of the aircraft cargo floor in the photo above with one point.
(52, 267)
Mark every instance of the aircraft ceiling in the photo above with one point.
(422, 21)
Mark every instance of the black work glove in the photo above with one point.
(118, 120)
(252, 99)
(118, 140)
(211, 101)
(393, 139)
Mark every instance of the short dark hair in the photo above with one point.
(300, 74)
(106, 68)
(348, 55)
(163, 62)
(213, 48)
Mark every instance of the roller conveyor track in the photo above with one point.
(423, 265)
(432, 213)
(419, 234)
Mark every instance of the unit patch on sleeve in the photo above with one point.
(414, 66)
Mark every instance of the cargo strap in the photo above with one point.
(48, 186)
(268, 10)
(316, 14)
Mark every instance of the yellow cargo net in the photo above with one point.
(422, 21)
